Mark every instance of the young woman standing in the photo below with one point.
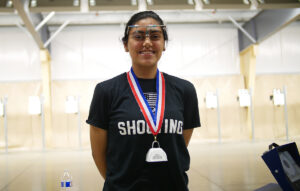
(141, 121)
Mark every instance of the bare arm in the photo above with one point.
(187, 134)
(98, 138)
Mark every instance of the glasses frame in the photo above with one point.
(148, 27)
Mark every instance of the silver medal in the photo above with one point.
(156, 154)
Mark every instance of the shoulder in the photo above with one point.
(112, 81)
(111, 84)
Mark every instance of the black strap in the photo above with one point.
(273, 145)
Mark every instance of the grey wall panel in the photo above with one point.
(281, 52)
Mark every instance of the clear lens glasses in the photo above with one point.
(140, 33)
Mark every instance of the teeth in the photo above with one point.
(148, 52)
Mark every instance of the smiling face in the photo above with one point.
(145, 44)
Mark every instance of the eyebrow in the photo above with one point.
(136, 26)
(151, 31)
(146, 26)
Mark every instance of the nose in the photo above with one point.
(147, 41)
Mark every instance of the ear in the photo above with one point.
(126, 47)
(165, 44)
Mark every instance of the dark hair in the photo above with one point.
(143, 15)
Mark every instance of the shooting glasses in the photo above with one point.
(151, 31)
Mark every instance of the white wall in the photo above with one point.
(19, 56)
(201, 50)
(96, 52)
(91, 52)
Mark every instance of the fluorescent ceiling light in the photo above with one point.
(9, 3)
(190, 2)
(33, 3)
(92, 3)
(246, 2)
(150, 2)
(76, 3)
(206, 2)
(133, 2)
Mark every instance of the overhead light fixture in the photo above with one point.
(9, 3)
(246, 2)
(34, 105)
(211, 100)
(133, 2)
(190, 2)
(76, 3)
(150, 2)
(92, 3)
(33, 3)
(206, 2)
(71, 105)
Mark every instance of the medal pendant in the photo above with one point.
(154, 121)
(156, 154)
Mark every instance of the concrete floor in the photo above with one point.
(234, 166)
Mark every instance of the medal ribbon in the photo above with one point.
(153, 121)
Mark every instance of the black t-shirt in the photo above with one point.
(115, 109)
(149, 90)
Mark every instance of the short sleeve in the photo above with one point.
(99, 109)
(191, 111)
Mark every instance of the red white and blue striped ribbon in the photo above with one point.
(154, 121)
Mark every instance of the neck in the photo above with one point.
(145, 72)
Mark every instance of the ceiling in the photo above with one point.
(260, 17)
(82, 12)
